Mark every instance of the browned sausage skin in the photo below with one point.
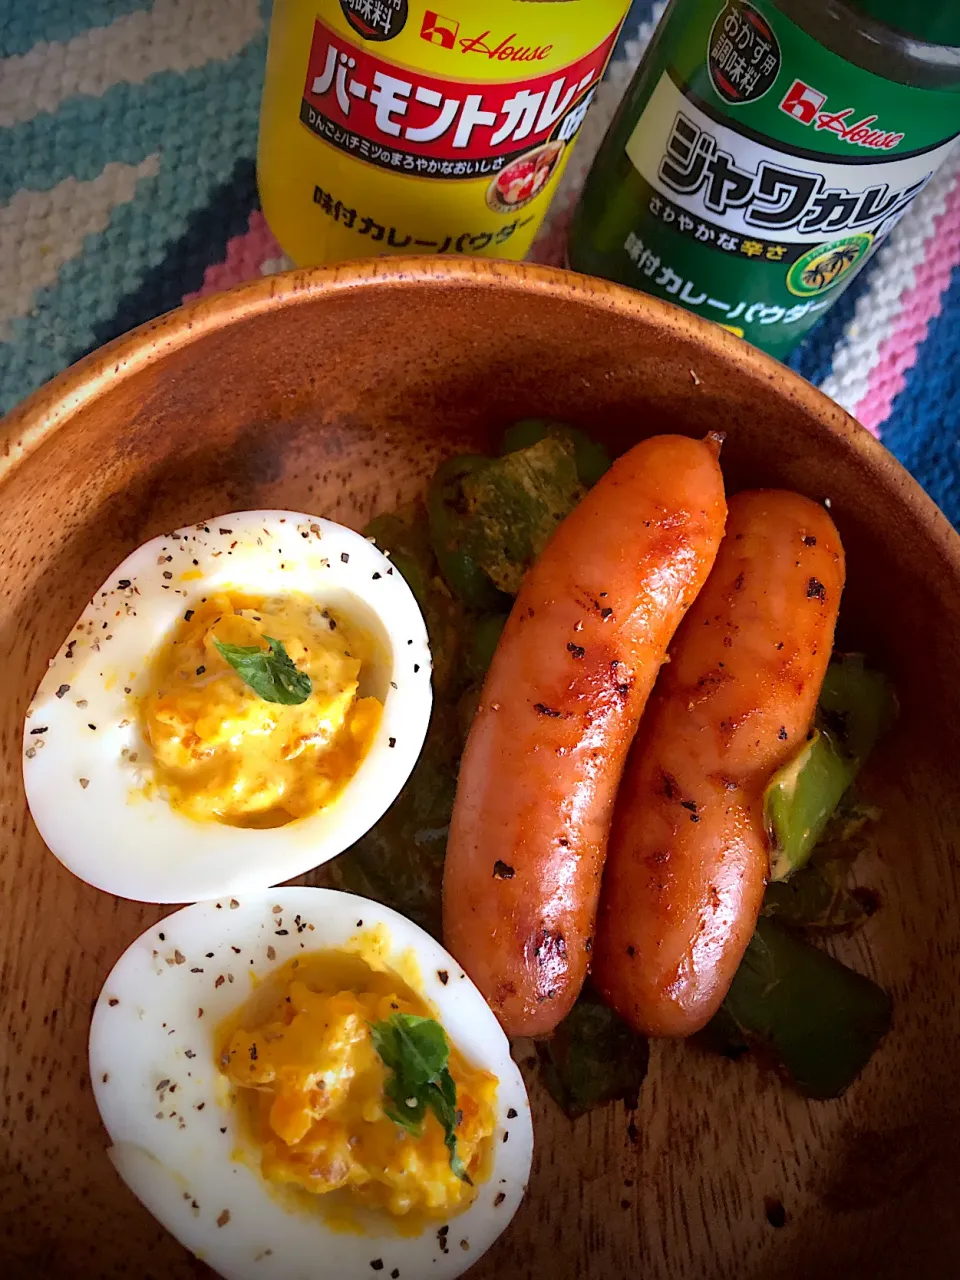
(559, 707)
(688, 856)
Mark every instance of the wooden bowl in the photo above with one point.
(338, 391)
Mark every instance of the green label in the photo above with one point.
(764, 170)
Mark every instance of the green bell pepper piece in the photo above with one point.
(820, 1020)
(856, 705)
(449, 522)
(591, 458)
(592, 1058)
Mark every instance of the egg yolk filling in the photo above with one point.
(221, 751)
(310, 1085)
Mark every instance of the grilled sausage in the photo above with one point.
(688, 856)
(570, 677)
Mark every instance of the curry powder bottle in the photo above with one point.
(764, 150)
(389, 128)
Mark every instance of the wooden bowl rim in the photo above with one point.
(51, 407)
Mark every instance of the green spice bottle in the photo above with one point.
(765, 149)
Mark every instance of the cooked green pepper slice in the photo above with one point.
(450, 531)
(592, 459)
(856, 705)
(820, 1020)
(404, 536)
(593, 1057)
(513, 507)
(400, 860)
(486, 637)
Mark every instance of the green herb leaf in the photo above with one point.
(416, 1051)
(271, 674)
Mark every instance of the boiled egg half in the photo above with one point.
(302, 1082)
(241, 700)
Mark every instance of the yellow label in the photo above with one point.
(389, 128)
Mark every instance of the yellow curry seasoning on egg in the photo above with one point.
(254, 712)
(331, 1072)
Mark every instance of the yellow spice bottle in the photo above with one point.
(389, 128)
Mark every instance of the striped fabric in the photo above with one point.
(127, 184)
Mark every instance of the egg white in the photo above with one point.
(166, 1108)
(85, 760)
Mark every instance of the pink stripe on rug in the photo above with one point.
(919, 306)
(244, 257)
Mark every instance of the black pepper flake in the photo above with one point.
(188, 615)
(782, 735)
(506, 1134)
(511, 1114)
(376, 576)
(124, 583)
(498, 1199)
(333, 625)
(253, 1052)
(606, 613)
(84, 782)
(416, 667)
(376, 1264)
(40, 730)
(64, 688)
(113, 1002)
(224, 1218)
(91, 726)
(816, 590)
(776, 1214)
(396, 1270)
(359, 924)
(391, 742)
(542, 709)
(576, 649)
(167, 574)
(443, 975)
(281, 933)
(502, 870)
(809, 540)
(631, 951)
(225, 531)
(345, 557)
(689, 804)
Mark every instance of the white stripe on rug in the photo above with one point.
(173, 35)
(41, 230)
